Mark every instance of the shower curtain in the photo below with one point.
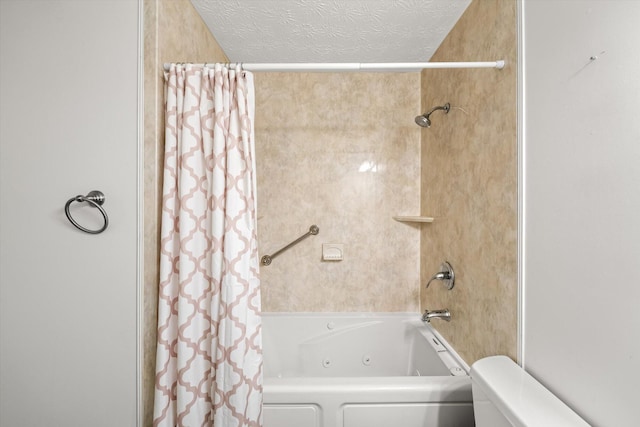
(209, 353)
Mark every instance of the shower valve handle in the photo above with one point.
(446, 275)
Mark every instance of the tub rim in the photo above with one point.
(414, 318)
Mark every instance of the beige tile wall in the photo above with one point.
(173, 32)
(340, 151)
(469, 180)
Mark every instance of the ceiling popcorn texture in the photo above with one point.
(330, 30)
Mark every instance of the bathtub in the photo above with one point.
(361, 370)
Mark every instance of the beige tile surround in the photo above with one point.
(341, 151)
(469, 183)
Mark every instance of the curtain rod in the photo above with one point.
(355, 66)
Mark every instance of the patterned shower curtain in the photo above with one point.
(209, 359)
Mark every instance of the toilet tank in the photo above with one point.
(504, 395)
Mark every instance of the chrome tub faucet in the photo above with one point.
(448, 279)
(440, 314)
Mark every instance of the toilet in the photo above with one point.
(504, 395)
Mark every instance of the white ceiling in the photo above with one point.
(330, 30)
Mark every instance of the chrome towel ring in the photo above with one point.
(94, 198)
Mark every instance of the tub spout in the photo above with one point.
(441, 314)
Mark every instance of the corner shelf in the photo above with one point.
(413, 218)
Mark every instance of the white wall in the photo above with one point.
(68, 111)
(582, 204)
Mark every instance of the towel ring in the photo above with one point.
(96, 199)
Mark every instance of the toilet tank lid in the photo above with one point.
(519, 396)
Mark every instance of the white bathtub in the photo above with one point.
(361, 370)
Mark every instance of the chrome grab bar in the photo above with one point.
(266, 260)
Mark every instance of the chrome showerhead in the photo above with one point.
(424, 121)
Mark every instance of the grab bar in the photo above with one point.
(266, 260)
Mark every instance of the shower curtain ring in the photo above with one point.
(94, 198)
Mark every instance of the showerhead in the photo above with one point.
(424, 121)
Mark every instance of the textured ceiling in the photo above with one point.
(330, 30)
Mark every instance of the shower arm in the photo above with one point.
(446, 107)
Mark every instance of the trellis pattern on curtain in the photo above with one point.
(209, 354)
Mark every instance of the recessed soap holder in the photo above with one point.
(332, 251)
